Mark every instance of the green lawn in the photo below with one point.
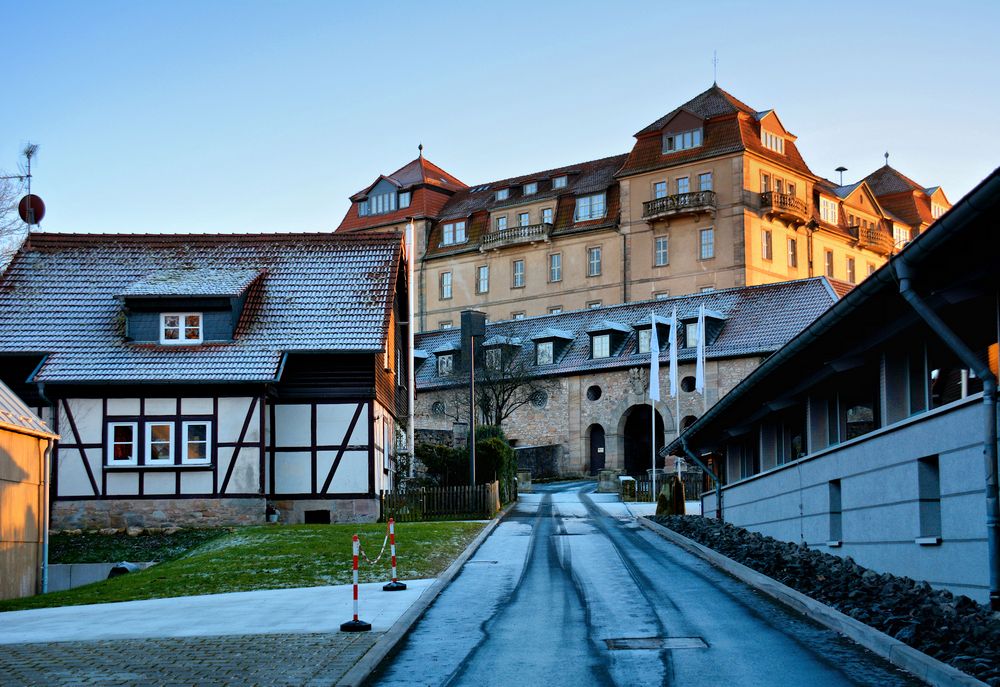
(276, 557)
(104, 548)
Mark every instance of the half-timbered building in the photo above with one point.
(199, 379)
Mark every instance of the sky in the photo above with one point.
(265, 116)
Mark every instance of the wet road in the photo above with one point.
(569, 590)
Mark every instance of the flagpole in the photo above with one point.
(652, 439)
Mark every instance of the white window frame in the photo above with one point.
(110, 448)
(686, 180)
(483, 279)
(531, 188)
(169, 460)
(852, 270)
(645, 338)
(600, 346)
(404, 199)
(589, 207)
(544, 346)
(446, 286)
(659, 189)
(793, 252)
(492, 358)
(710, 232)
(560, 182)
(186, 459)
(500, 222)
(661, 251)
(828, 264)
(445, 364)
(702, 176)
(182, 326)
(691, 334)
(460, 236)
(523, 219)
(517, 276)
(682, 140)
(503, 194)
(594, 267)
(828, 210)
(555, 267)
(766, 244)
(547, 216)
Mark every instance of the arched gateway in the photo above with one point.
(636, 435)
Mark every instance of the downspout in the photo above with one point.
(981, 370)
(48, 496)
(411, 375)
(715, 478)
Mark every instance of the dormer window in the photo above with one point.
(560, 182)
(493, 357)
(681, 140)
(503, 194)
(691, 335)
(382, 203)
(590, 207)
(773, 142)
(531, 189)
(404, 199)
(543, 353)
(937, 210)
(446, 364)
(645, 335)
(180, 329)
(828, 210)
(600, 346)
(452, 233)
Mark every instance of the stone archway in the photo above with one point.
(635, 431)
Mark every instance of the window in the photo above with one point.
(705, 181)
(483, 279)
(382, 203)
(590, 207)
(547, 215)
(779, 186)
(791, 189)
(503, 194)
(446, 363)
(159, 443)
(706, 242)
(404, 199)
(645, 336)
(555, 267)
(122, 443)
(929, 490)
(828, 257)
(660, 189)
(690, 335)
(600, 346)
(593, 305)
(793, 252)
(445, 285)
(828, 210)
(766, 247)
(518, 315)
(900, 235)
(446, 324)
(178, 329)
(517, 276)
(773, 141)
(688, 384)
(523, 219)
(937, 210)
(706, 289)
(661, 252)
(765, 183)
(452, 233)
(850, 271)
(681, 140)
(661, 295)
(594, 393)
(531, 189)
(560, 182)
(594, 261)
(683, 185)
(836, 512)
(196, 442)
(555, 310)
(543, 353)
(501, 222)
(492, 358)
(871, 268)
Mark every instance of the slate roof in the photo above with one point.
(193, 281)
(319, 292)
(17, 417)
(758, 321)
(707, 104)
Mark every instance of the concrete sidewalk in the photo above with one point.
(308, 610)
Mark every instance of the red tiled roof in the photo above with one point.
(709, 104)
(886, 180)
(841, 288)
(425, 202)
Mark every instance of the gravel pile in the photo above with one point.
(953, 629)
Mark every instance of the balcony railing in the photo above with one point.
(874, 238)
(784, 205)
(679, 204)
(529, 233)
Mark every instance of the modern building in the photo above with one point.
(25, 443)
(196, 378)
(589, 370)
(712, 195)
(865, 435)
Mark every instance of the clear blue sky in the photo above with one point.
(249, 116)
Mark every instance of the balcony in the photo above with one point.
(874, 239)
(785, 207)
(679, 204)
(512, 236)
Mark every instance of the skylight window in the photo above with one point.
(180, 329)
(681, 140)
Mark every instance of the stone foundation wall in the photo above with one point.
(120, 513)
(341, 510)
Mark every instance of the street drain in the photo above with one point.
(627, 643)
(484, 562)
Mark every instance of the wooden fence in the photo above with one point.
(442, 503)
(642, 490)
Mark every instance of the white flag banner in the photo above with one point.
(654, 361)
(674, 324)
(699, 370)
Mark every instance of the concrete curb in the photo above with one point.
(366, 665)
(928, 669)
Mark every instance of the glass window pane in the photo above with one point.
(171, 321)
(123, 433)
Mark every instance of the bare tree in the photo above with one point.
(11, 226)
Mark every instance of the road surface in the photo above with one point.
(569, 590)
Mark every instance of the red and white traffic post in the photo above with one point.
(395, 585)
(355, 625)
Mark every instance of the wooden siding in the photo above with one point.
(22, 512)
(324, 376)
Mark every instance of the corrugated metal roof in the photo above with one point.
(320, 292)
(17, 417)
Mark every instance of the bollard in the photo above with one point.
(355, 625)
(395, 585)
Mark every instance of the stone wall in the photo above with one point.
(119, 513)
(341, 510)
(542, 461)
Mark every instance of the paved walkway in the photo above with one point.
(270, 637)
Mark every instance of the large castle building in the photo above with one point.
(715, 194)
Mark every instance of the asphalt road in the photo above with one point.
(569, 590)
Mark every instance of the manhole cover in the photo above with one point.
(626, 643)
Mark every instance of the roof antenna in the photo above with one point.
(420, 148)
(841, 169)
(886, 158)
(715, 68)
(31, 209)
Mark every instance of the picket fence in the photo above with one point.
(442, 503)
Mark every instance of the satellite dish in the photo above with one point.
(31, 209)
